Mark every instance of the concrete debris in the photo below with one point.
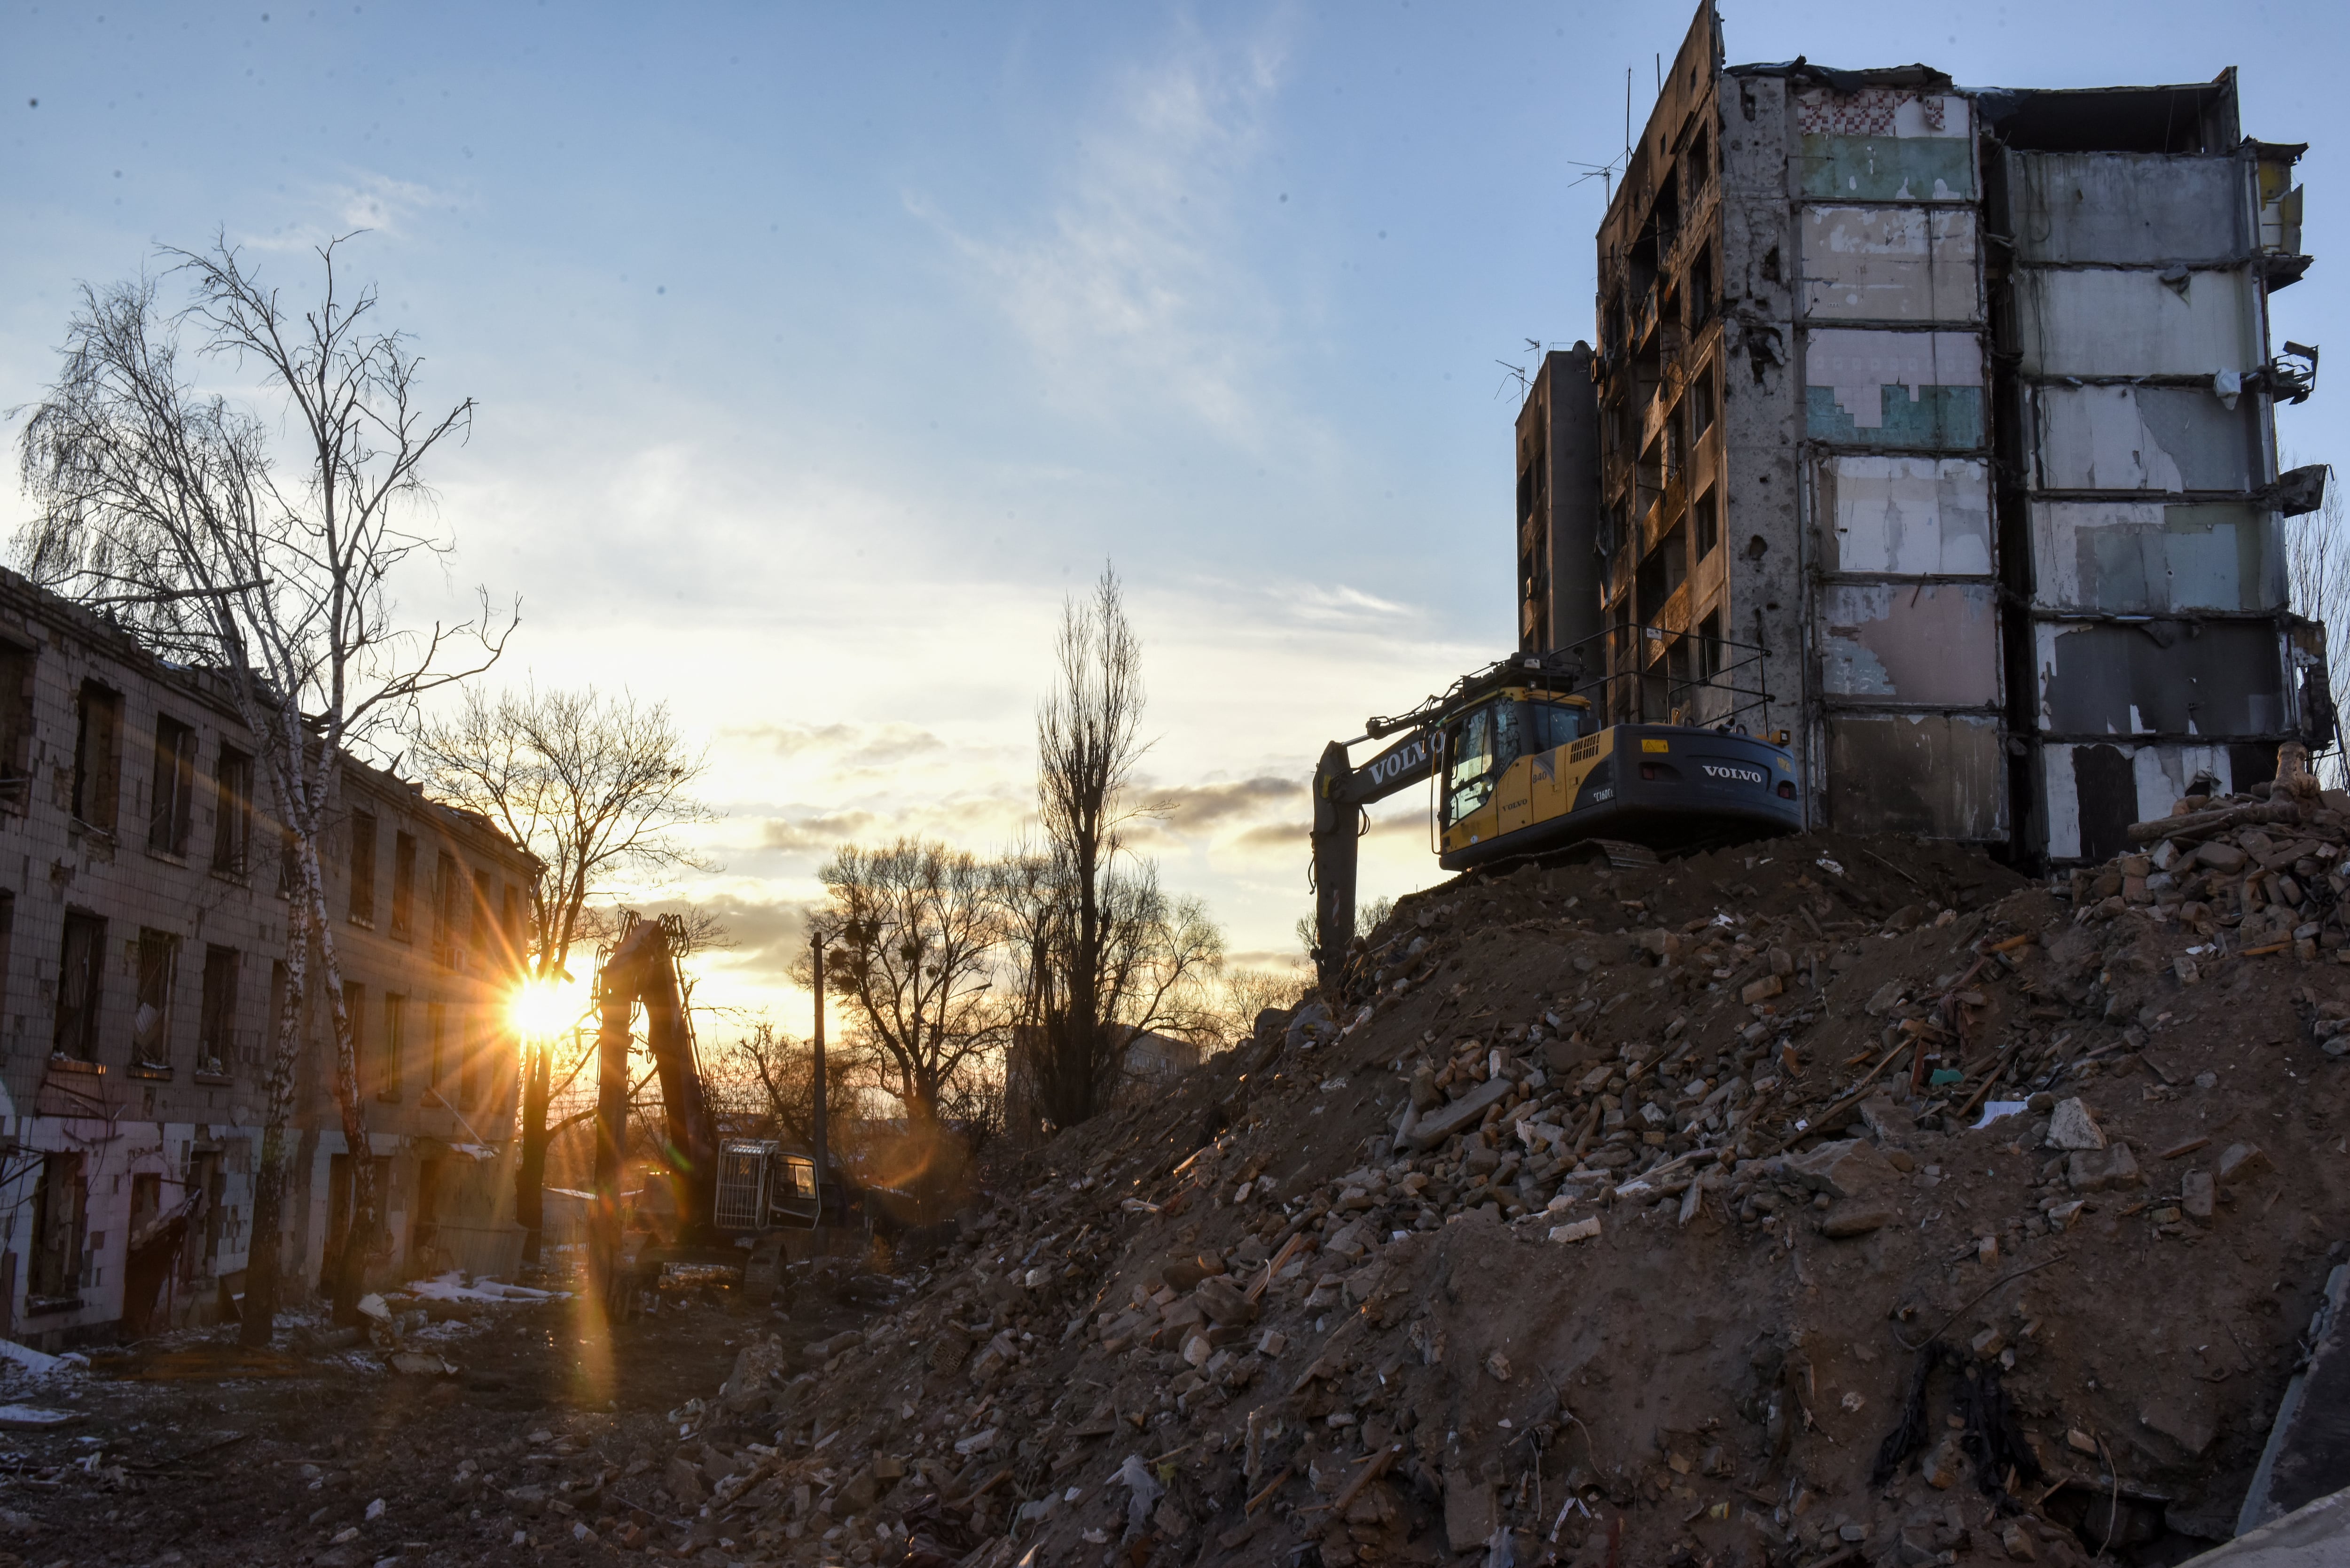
(2072, 1126)
(1314, 1223)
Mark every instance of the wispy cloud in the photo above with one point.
(848, 745)
(1134, 283)
(379, 203)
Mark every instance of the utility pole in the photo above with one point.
(817, 1044)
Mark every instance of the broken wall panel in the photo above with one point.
(2125, 208)
(1938, 775)
(2091, 793)
(2213, 677)
(1890, 264)
(2106, 323)
(2127, 557)
(1934, 643)
(1920, 516)
(2142, 438)
(1888, 388)
(1886, 144)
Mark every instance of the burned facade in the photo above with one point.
(1957, 403)
(143, 931)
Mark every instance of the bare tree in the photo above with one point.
(1245, 993)
(2317, 572)
(165, 508)
(596, 787)
(781, 1071)
(916, 937)
(1088, 743)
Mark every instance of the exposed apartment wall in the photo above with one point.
(1957, 404)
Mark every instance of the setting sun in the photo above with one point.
(545, 1007)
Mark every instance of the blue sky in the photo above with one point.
(820, 350)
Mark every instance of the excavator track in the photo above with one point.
(1624, 856)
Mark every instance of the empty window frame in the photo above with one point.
(216, 1015)
(172, 803)
(151, 1022)
(1697, 406)
(1697, 293)
(98, 756)
(233, 815)
(448, 887)
(1707, 512)
(363, 834)
(60, 1205)
(16, 724)
(436, 1039)
(403, 886)
(392, 1048)
(80, 969)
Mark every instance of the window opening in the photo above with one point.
(403, 885)
(150, 1024)
(216, 1019)
(233, 819)
(362, 868)
(172, 803)
(79, 965)
(98, 756)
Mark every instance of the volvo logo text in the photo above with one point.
(1741, 776)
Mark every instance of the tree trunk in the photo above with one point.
(612, 1144)
(530, 1168)
(350, 1269)
(265, 1268)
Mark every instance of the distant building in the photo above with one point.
(1957, 401)
(1151, 1063)
(141, 967)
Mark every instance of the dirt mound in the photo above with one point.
(1829, 1201)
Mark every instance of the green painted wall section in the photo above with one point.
(1888, 168)
(1936, 419)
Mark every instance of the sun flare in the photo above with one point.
(540, 1007)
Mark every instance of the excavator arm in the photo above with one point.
(642, 968)
(1341, 791)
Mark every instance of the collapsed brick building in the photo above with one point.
(1958, 404)
(143, 931)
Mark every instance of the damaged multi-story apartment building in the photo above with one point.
(1956, 403)
(143, 932)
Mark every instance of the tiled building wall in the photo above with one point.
(140, 968)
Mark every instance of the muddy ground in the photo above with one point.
(166, 1460)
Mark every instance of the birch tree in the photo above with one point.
(166, 507)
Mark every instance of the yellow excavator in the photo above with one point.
(1528, 758)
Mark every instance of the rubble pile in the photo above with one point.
(1824, 1201)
